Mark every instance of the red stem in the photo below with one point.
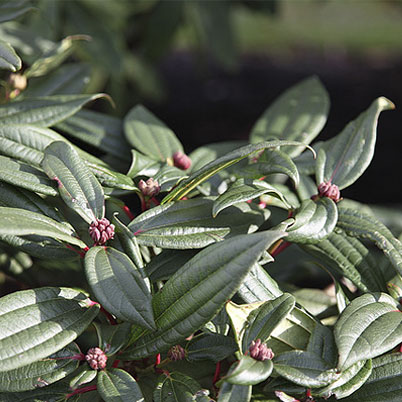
(80, 253)
(155, 201)
(127, 211)
(282, 246)
(109, 316)
(82, 390)
(157, 359)
(115, 363)
(217, 373)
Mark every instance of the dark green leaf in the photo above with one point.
(112, 337)
(20, 222)
(119, 286)
(314, 220)
(9, 59)
(12, 9)
(149, 135)
(244, 190)
(78, 187)
(298, 114)
(198, 290)
(189, 224)
(234, 393)
(223, 162)
(44, 112)
(115, 385)
(22, 175)
(83, 375)
(40, 373)
(37, 323)
(343, 159)
(368, 327)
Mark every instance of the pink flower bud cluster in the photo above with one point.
(327, 189)
(96, 358)
(149, 188)
(181, 160)
(101, 231)
(260, 351)
(176, 353)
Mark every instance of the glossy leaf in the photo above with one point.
(298, 114)
(168, 176)
(175, 387)
(115, 385)
(249, 371)
(20, 222)
(343, 159)
(368, 327)
(45, 111)
(198, 290)
(314, 220)
(189, 224)
(9, 59)
(350, 380)
(149, 135)
(78, 187)
(223, 162)
(263, 320)
(119, 286)
(234, 393)
(37, 323)
(82, 376)
(40, 373)
(12, 9)
(244, 190)
(384, 383)
(359, 224)
(22, 175)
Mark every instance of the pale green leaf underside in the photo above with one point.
(9, 59)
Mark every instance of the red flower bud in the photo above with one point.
(176, 353)
(327, 189)
(149, 188)
(101, 231)
(181, 160)
(96, 358)
(260, 351)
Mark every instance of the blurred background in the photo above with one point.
(209, 68)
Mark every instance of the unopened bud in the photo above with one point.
(329, 190)
(149, 188)
(181, 160)
(176, 353)
(96, 358)
(17, 81)
(101, 231)
(260, 351)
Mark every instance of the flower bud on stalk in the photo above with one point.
(101, 230)
(181, 160)
(260, 351)
(329, 190)
(96, 358)
(149, 188)
(176, 353)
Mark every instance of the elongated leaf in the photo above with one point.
(264, 319)
(384, 383)
(112, 337)
(16, 197)
(9, 59)
(344, 158)
(20, 222)
(304, 368)
(368, 327)
(42, 372)
(115, 385)
(314, 220)
(168, 176)
(44, 112)
(359, 224)
(12, 9)
(249, 371)
(149, 135)
(77, 186)
(37, 323)
(119, 286)
(350, 380)
(258, 286)
(349, 257)
(52, 393)
(198, 290)
(234, 393)
(244, 190)
(270, 162)
(97, 129)
(189, 224)
(298, 114)
(175, 387)
(22, 175)
(210, 169)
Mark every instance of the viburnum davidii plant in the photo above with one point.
(137, 272)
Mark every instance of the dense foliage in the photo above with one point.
(143, 273)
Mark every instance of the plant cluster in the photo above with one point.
(146, 274)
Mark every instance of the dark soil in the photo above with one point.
(207, 104)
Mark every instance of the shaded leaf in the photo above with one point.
(234, 393)
(9, 59)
